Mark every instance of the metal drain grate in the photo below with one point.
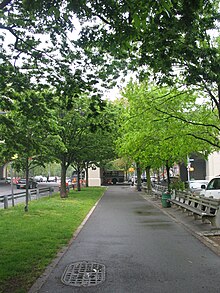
(84, 274)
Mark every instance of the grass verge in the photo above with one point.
(30, 240)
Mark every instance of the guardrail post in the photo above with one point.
(29, 195)
(51, 190)
(38, 193)
(5, 202)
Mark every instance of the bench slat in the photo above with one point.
(192, 209)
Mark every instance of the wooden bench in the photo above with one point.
(158, 189)
(201, 207)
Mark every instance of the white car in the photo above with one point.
(40, 178)
(44, 179)
(8, 180)
(213, 188)
(196, 185)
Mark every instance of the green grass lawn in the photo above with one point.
(30, 240)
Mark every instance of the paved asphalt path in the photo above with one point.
(142, 248)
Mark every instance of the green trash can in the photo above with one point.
(165, 199)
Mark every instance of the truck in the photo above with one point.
(113, 176)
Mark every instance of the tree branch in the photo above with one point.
(10, 29)
(103, 19)
(212, 97)
(157, 98)
(4, 3)
(20, 50)
(204, 139)
(185, 120)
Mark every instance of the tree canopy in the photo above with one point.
(70, 49)
(154, 136)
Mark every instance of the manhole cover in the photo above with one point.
(84, 274)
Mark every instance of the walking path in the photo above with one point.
(130, 245)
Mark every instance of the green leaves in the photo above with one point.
(163, 124)
(29, 123)
(168, 41)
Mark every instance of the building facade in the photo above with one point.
(213, 166)
(201, 169)
(94, 176)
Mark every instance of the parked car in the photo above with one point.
(195, 185)
(8, 180)
(213, 188)
(52, 179)
(40, 178)
(44, 179)
(22, 184)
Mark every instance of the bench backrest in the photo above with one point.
(209, 205)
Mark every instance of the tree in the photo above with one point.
(166, 40)
(99, 147)
(71, 113)
(155, 138)
(116, 28)
(27, 131)
(98, 144)
(43, 44)
(119, 36)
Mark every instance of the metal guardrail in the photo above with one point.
(32, 192)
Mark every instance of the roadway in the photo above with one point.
(5, 189)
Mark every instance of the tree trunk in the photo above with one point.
(168, 175)
(78, 178)
(27, 183)
(149, 187)
(126, 174)
(87, 174)
(163, 173)
(63, 192)
(158, 176)
(218, 101)
(138, 176)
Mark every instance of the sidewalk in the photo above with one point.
(202, 231)
(130, 244)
